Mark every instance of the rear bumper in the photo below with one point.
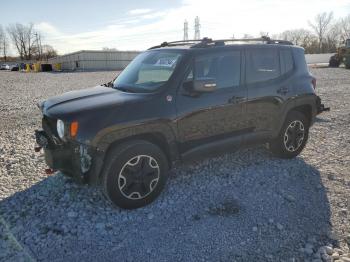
(71, 158)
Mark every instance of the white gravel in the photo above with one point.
(244, 206)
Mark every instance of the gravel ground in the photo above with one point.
(244, 206)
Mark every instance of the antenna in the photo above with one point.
(185, 30)
(197, 26)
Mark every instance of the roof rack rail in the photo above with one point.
(221, 42)
(205, 42)
(177, 43)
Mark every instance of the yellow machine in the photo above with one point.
(36, 67)
(342, 56)
(27, 68)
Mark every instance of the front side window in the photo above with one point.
(262, 65)
(223, 68)
(148, 71)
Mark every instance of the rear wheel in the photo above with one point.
(135, 174)
(347, 61)
(292, 137)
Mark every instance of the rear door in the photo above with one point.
(268, 72)
(207, 117)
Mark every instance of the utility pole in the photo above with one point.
(185, 30)
(40, 48)
(4, 47)
(38, 44)
(197, 34)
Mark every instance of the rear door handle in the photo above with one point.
(236, 99)
(283, 90)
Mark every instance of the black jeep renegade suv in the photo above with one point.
(178, 100)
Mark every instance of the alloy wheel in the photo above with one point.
(294, 136)
(138, 177)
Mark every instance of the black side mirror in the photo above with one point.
(109, 84)
(195, 87)
(204, 85)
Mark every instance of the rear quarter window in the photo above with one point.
(262, 65)
(286, 61)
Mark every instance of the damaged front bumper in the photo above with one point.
(320, 107)
(72, 158)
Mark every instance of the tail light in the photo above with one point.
(313, 82)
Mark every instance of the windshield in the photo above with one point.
(148, 71)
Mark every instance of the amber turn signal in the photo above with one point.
(74, 128)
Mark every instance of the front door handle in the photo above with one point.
(236, 99)
(283, 90)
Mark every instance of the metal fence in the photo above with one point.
(95, 60)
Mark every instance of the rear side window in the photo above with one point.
(286, 61)
(224, 68)
(262, 65)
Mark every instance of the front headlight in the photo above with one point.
(60, 128)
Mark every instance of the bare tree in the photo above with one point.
(3, 43)
(23, 38)
(297, 36)
(303, 38)
(321, 26)
(109, 49)
(48, 52)
(247, 36)
(333, 38)
(344, 25)
(264, 34)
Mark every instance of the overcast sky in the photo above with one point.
(71, 25)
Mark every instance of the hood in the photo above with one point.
(75, 102)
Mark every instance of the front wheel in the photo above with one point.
(292, 137)
(135, 174)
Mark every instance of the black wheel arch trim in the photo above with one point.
(296, 104)
(160, 134)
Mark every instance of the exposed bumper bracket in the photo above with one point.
(320, 107)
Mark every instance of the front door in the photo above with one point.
(206, 117)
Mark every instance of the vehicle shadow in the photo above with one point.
(241, 206)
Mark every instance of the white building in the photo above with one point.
(85, 60)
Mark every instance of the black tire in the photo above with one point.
(135, 173)
(347, 64)
(288, 147)
(334, 62)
